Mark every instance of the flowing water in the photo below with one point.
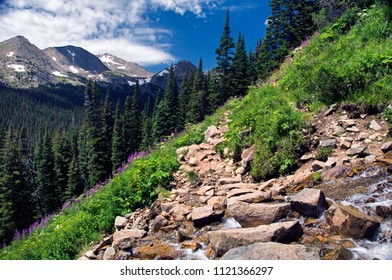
(377, 197)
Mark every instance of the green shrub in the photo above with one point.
(323, 153)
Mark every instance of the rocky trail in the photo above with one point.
(339, 207)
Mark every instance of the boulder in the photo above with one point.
(218, 202)
(351, 222)
(362, 136)
(120, 222)
(338, 130)
(386, 147)
(224, 240)
(127, 237)
(179, 212)
(273, 251)
(109, 253)
(192, 151)
(228, 187)
(352, 129)
(318, 165)
(254, 196)
(227, 181)
(327, 143)
(211, 132)
(306, 158)
(205, 215)
(255, 214)
(158, 223)
(345, 145)
(90, 255)
(358, 150)
(193, 161)
(375, 126)
(205, 189)
(248, 155)
(309, 202)
(240, 171)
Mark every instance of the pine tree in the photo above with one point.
(62, 157)
(146, 130)
(15, 195)
(183, 99)
(135, 120)
(290, 22)
(108, 123)
(74, 183)
(46, 175)
(158, 118)
(127, 129)
(197, 104)
(166, 117)
(117, 144)
(240, 69)
(224, 58)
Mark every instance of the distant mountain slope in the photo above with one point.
(76, 60)
(119, 65)
(181, 69)
(23, 64)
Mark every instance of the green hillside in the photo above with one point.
(349, 62)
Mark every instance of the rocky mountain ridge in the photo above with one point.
(24, 65)
(337, 206)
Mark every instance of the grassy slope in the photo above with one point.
(350, 61)
(341, 64)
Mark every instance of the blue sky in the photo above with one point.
(153, 33)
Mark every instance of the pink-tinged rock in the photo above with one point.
(309, 202)
(386, 147)
(224, 240)
(318, 165)
(211, 132)
(255, 214)
(248, 155)
(351, 222)
(205, 215)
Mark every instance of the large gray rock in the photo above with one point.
(110, 253)
(351, 222)
(205, 215)
(255, 214)
(211, 132)
(127, 236)
(309, 202)
(327, 143)
(386, 147)
(224, 240)
(248, 155)
(358, 150)
(375, 126)
(120, 222)
(273, 251)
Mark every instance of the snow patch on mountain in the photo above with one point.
(59, 74)
(17, 67)
(10, 54)
(109, 60)
(73, 69)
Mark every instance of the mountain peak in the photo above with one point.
(119, 65)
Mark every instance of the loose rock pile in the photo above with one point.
(215, 211)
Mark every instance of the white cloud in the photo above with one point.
(120, 27)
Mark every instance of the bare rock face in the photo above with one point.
(255, 214)
(309, 202)
(273, 251)
(224, 240)
(351, 222)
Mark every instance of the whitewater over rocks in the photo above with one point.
(340, 208)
